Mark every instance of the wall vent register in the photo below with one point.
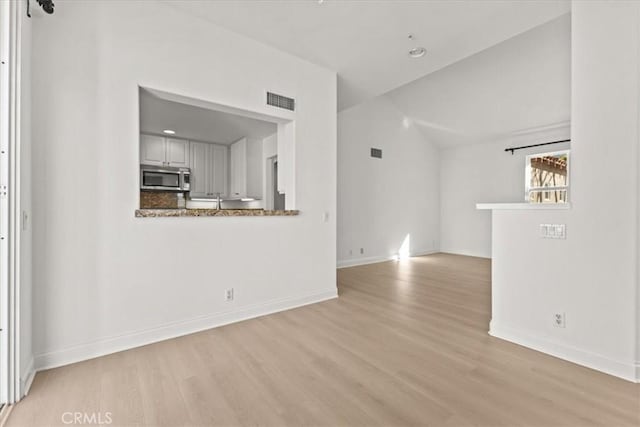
(280, 101)
(376, 153)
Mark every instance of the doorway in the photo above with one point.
(278, 198)
(274, 200)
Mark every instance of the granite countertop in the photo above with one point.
(159, 213)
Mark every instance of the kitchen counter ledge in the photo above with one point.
(169, 213)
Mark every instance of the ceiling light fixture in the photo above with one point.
(417, 52)
(169, 132)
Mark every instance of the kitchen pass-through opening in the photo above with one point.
(200, 154)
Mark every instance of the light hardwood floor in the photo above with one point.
(405, 344)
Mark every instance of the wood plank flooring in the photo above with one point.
(405, 344)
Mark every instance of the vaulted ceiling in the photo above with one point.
(518, 86)
(366, 42)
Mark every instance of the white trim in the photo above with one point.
(637, 242)
(344, 263)
(10, 230)
(566, 124)
(5, 118)
(4, 414)
(15, 204)
(465, 253)
(524, 206)
(27, 377)
(167, 331)
(627, 370)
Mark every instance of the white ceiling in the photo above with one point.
(522, 83)
(366, 42)
(197, 123)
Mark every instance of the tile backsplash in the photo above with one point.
(158, 200)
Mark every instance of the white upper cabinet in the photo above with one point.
(208, 170)
(161, 151)
(200, 166)
(177, 152)
(255, 168)
(246, 169)
(239, 169)
(152, 150)
(219, 156)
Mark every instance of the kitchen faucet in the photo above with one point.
(218, 202)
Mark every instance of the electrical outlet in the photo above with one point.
(229, 295)
(559, 320)
(361, 251)
(350, 252)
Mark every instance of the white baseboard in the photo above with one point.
(363, 261)
(26, 378)
(376, 259)
(626, 370)
(465, 253)
(4, 414)
(131, 340)
(424, 253)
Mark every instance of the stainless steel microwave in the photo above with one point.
(164, 178)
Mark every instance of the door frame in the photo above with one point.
(10, 71)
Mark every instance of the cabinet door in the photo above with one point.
(254, 169)
(238, 169)
(177, 152)
(219, 156)
(200, 165)
(152, 150)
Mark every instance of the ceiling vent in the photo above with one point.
(281, 101)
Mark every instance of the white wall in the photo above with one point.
(478, 173)
(592, 275)
(105, 280)
(381, 201)
(521, 83)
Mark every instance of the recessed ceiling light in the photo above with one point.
(169, 132)
(417, 52)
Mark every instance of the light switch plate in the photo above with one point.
(553, 231)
